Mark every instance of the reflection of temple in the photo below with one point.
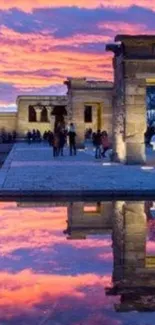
(134, 271)
(88, 219)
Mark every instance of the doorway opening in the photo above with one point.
(59, 112)
(150, 105)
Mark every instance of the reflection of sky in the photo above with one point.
(44, 276)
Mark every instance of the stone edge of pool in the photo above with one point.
(78, 194)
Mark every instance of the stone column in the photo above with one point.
(119, 149)
(135, 121)
(78, 120)
(51, 118)
(117, 240)
(135, 230)
(94, 117)
(38, 113)
(129, 241)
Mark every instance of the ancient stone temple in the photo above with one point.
(118, 108)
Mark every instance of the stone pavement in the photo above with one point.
(31, 169)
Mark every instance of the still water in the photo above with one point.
(77, 263)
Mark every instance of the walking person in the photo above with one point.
(97, 144)
(72, 141)
(105, 143)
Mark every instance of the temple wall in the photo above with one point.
(23, 124)
(96, 94)
(8, 121)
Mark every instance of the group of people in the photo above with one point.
(57, 139)
(101, 143)
(33, 136)
(7, 137)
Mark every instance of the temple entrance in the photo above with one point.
(59, 112)
(134, 71)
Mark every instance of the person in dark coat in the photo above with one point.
(72, 142)
(55, 144)
(62, 141)
(50, 138)
(29, 137)
(97, 144)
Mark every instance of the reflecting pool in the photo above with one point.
(77, 263)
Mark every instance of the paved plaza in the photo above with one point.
(32, 168)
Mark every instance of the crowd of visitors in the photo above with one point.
(7, 137)
(57, 140)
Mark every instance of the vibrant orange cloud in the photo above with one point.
(29, 5)
(23, 291)
(38, 228)
(28, 53)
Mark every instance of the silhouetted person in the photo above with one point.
(50, 137)
(38, 136)
(55, 145)
(105, 143)
(14, 136)
(29, 137)
(97, 144)
(33, 135)
(62, 140)
(72, 142)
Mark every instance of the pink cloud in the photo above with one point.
(29, 5)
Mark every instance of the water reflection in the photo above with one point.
(82, 263)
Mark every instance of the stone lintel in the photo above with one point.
(135, 57)
(83, 83)
(42, 98)
(137, 39)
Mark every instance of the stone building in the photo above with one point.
(119, 108)
(88, 104)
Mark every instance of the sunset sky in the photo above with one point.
(41, 44)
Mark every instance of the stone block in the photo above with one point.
(131, 90)
(135, 153)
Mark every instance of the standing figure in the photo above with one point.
(62, 141)
(55, 144)
(105, 143)
(50, 137)
(97, 144)
(38, 136)
(34, 135)
(72, 141)
(29, 137)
